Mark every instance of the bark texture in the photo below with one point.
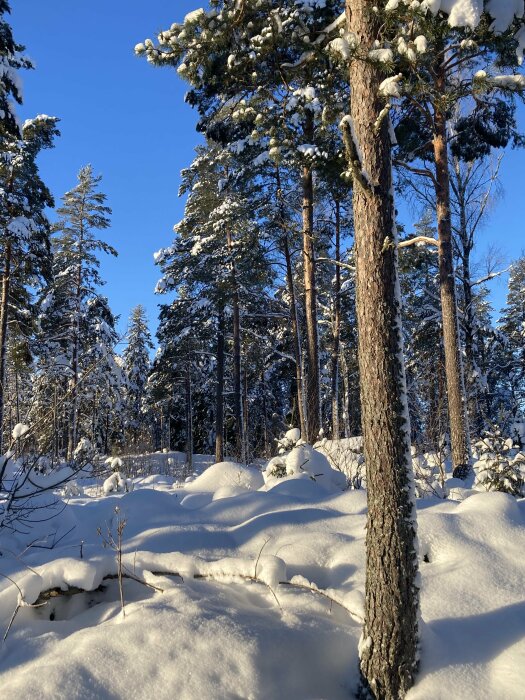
(336, 326)
(219, 392)
(4, 311)
(388, 654)
(453, 366)
(310, 291)
(296, 339)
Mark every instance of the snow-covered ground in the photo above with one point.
(213, 632)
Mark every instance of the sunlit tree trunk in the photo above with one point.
(390, 637)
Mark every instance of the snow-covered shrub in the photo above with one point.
(114, 463)
(501, 466)
(72, 489)
(276, 467)
(300, 460)
(85, 453)
(116, 483)
(346, 456)
(291, 438)
(427, 474)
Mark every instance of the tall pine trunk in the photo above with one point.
(189, 417)
(336, 326)
(4, 313)
(296, 339)
(219, 391)
(453, 366)
(237, 384)
(390, 636)
(73, 425)
(313, 418)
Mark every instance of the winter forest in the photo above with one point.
(304, 477)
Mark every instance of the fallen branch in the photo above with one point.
(53, 593)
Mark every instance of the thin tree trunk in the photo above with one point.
(76, 346)
(219, 391)
(4, 312)
(313, 418)
(453, 366)
(336, 326)
(245, 418)
(296, 339)
(189, 418)
(390, 635)
(471, 382)
(237, 383)
(265, 416)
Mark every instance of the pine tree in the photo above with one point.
(254, 105)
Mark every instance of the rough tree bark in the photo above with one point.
(388, 651)
(453, 366)
(237, 385)
(189, 418)
(336, 325)
(4, 312)
(296, 339)
(293, 308)
(313, 420)
(219, 392)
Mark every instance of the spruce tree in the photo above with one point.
(24, 228)
(136, 357)
(75, 285)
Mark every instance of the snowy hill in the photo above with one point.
(230, 625)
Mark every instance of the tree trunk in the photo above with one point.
(73, 428)
(390, 636)
(313, 419)
(453, 367)
(296, 339)
(336, 326)
(219, 392)
(237, 384)
(189, 418)
(4, 312)
(469, 321)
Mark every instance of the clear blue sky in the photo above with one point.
(120, 114)
(130, 122)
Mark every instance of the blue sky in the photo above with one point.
(118, 113)
(130, 122)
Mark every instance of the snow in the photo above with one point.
(19, 430)
(381, 55)
(390, 87)
(296, 633)
(467, 13)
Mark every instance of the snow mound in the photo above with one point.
(473, 607)
(304, 461)
(227, 474)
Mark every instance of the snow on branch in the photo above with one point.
(419, 240)
(355, 165)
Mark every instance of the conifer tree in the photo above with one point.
(75, 285)
(136, 357)
(512, 324)
(24, 228)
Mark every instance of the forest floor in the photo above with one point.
(227, 627)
